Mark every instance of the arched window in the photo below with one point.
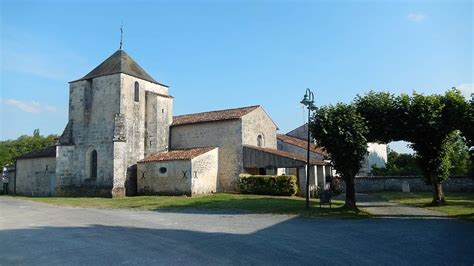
(260, 141)
(93, 173)
(137, 92)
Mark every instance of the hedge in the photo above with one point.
(282, 185)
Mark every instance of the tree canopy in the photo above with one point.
(428, 122)
(10, 149)
(342, 130)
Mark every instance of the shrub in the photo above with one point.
(335, 187)
(282, 185)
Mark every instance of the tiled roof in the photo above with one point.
(174, 155)
(286, 154)
(301, 144)
(41, 153)
(120, 62)
(228, 114)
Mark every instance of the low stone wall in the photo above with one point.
(417, 183)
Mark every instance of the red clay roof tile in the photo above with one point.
(228, 114)
(173, 155)
(301, 144)
(286, 154)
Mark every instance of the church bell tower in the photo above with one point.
(118, 114)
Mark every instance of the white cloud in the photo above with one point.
(50, 108)
(416, 17)
(466, 89)
(28, 106)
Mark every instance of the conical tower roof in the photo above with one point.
(120, 62)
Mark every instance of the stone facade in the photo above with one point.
(93, 105)
(204, 172)
(35, 177)
(195, 176)
(258, 123)
(146, 128)
(108, 117)
(227, 135)
(119, 115)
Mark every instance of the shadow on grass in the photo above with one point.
(213, 204)
(289, 206)
(412, 216)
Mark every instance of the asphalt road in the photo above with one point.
(39, 234)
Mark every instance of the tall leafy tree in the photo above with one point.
(10, 149)
(342, 130)
(425, 121)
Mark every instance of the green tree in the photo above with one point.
(398, 165)
(458, 153)
(342, 130)
(11, 149)
(425, 121)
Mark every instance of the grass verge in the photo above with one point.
(221, 201)
(459, 205)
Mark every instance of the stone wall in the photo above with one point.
(204, 172)
(93, 106)
(258, 123)
(373, 184)
(36, 176)
(176, 180)
(227, 135)
(104, 116)
(145, 132)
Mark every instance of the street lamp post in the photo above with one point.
(308, 101)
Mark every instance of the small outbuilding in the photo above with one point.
(179, 172)
(36, 173)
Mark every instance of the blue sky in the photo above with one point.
(224, 54)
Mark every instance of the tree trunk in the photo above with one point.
(350, 193)
(438, 195)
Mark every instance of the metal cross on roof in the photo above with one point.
(121, 35)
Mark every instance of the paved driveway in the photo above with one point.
(39, 234)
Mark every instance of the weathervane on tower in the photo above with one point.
(121, 35)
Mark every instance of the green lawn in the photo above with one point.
(459, 205)
(220, 201)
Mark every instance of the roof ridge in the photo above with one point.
(178, 154)
(119, 62)
(223, 110)
(286, 154)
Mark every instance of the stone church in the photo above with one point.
(122, 139)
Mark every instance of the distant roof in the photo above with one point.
(41, 153)
(228, 114)
(301, 144)
(300, 132)
(120, 62)
(286, 154)
(174, 155)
